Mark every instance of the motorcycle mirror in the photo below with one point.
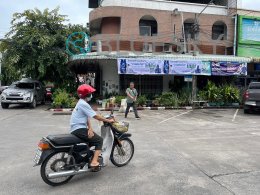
(112, 112)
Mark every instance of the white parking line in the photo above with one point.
(174, 117)
(235, 115)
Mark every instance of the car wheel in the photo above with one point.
(4, 105)
(246, 111)
(43, 100)
(34, 103)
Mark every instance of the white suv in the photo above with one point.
(25, 91)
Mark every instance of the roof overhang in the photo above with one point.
(95, 56)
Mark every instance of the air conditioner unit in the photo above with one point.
(193, 52)
(167, 48)
(148, 47)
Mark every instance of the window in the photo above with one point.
(145, 31)
(148, 26)
(254, 86)
(189, 29)
(219, 31)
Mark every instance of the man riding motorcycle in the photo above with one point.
(80, 125)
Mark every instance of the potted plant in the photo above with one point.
(62, 99)
(231, 95)
(168, 99)
(118, 100)
(184, 97)
(141, 100)
(212, 94)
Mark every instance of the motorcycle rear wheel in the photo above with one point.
(52, 162)
(122, 157)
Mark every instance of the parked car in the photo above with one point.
(2, 88)
(26, 91)
(252, 97)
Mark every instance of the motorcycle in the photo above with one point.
(63, 156)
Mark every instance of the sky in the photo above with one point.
(77, 10)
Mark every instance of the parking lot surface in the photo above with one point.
(176, 152)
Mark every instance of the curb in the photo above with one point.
(68, 111)
(62, 110)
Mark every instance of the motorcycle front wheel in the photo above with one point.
(54, 163)
(121, 156)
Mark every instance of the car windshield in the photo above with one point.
(254, 86)
(25, 85)
(13, 85)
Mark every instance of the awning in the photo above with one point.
(116, 55)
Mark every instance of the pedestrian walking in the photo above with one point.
(131, 98)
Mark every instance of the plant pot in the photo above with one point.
(212, 104)
(220, 104)
(235, 104)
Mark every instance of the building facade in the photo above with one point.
(156, 29)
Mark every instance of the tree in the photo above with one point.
(35, 46)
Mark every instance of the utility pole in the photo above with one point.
(196, 29)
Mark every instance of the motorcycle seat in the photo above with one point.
(64, 139)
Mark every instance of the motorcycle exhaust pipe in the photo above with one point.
(66, 173)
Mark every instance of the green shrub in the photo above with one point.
(222, 94)
(241, 94)
(202, 96)
(185, 97)
(73, 102)
(141, 100)
(230, 94)
(119, 98)
(212, 93)
(168, 99)
(62, 99)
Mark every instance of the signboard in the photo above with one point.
(162, 67)
(188, 78)
(78, 43)
(249, 30)
(228, 68)
(248, 36)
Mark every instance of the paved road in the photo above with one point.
(177, 152)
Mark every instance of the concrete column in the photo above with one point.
(194, 88)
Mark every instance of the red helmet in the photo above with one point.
(84, 90)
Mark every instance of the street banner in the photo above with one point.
(163, 67)
(140, 66)
(193, 67)
(228, 68)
